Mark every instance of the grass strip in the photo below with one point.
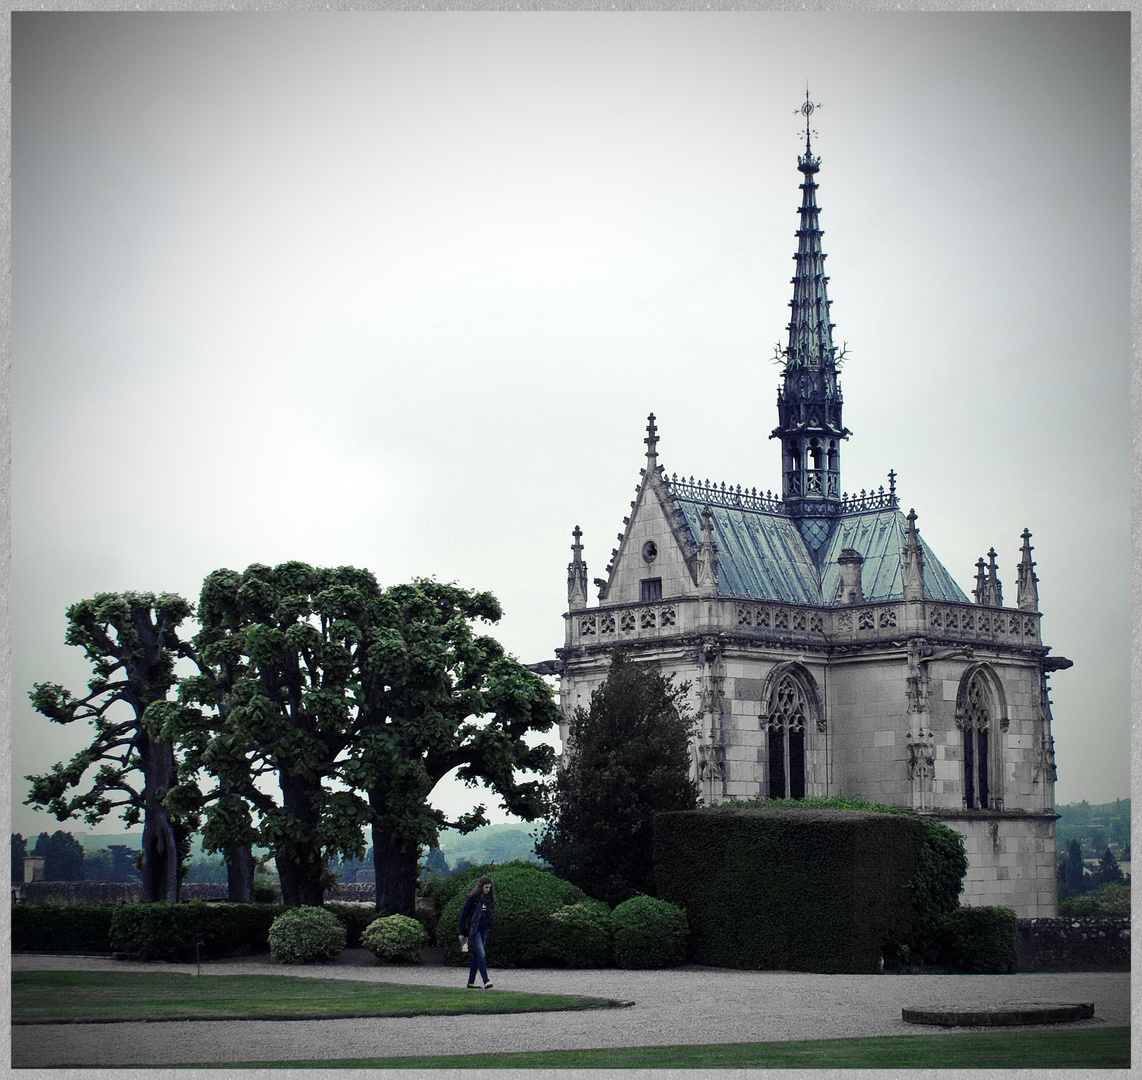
(1077, 1048)
(89, 997)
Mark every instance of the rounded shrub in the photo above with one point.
(395, 939)
(524, 934)
(649, 933)
(583, 935)
(305, 935)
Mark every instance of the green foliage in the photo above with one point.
(62, 854)
(395, 939)
(305, 935)
(19, 850)
(789, 887)
(649, 933)
(66, 928)
(169, 931)
(980, 940)
(628, 758)
(524, 934)
(1110, 899)
(322, 676)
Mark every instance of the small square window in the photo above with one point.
(651, 589)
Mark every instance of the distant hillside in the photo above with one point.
(1095, 826)
(492, 843)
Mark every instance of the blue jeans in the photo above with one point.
(476, 948)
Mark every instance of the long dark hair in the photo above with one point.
(478, 890)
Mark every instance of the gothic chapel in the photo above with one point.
(828, 650)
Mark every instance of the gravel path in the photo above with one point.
(688, 1005)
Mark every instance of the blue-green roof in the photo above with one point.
(763, 555)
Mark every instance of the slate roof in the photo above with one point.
(763, 555)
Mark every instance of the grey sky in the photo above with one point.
(399, 289)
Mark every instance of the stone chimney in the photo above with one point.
(850, 562)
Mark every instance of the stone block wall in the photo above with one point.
(1011, 862)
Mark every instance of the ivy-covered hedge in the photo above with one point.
(790, 888)
(65, 928)
(980, 940)
(524, 933)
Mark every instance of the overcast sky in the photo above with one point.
(398, 290)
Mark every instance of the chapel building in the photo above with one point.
(828, 650)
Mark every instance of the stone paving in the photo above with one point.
(688, 1005)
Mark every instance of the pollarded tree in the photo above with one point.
(132, 641)
(278, 649)
(627, 759)
(436, 697)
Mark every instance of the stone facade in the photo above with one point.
(828, 651)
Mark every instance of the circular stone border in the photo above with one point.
(1016, 1012)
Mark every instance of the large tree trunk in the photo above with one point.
(239, 875)
(395, 864)
(301, 861)
(160, 846)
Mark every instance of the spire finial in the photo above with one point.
(807, 111)
(577, 574)
(651, 439)
(892, 483)
(1027, 581)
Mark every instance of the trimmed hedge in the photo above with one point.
(68, 928)
(788, 888)
(524, 933)
(166, 931)
(649, 933)
(980, 940)
(356, 918)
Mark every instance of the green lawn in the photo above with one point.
(1089, 1048)
(52, 997)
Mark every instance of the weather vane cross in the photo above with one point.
(807, 111)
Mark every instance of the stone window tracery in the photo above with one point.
(785, 722)
(626, 621)
(975, 722)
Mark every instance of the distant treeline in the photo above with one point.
(1096, 827)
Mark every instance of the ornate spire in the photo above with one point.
(576, 574)
(980, 590)
(1027, 591)
(651, 441)
(809, 401)
(912, 561)
(993, 590)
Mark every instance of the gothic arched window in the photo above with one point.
(976, 723)
(786, 720)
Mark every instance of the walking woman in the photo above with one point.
(475, 922)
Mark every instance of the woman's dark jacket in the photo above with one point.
(476, 916)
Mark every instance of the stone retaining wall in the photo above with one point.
(117, 892)
(1075, 944)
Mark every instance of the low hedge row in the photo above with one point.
(64, 928)
(162, 931)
